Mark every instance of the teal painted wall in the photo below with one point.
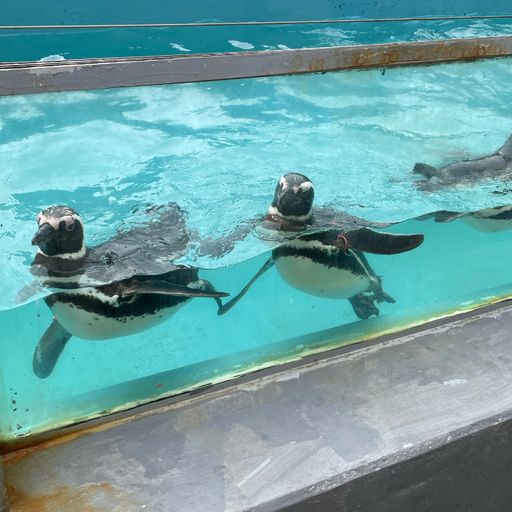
(155, 11)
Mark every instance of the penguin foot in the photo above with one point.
(364, 306)
(379, 294)
(382, 296)
(49, 349)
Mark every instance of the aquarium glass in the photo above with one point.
(59, 44)
(217, 150)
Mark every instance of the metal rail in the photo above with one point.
(4, 505)
(70, 75)
(256, 23)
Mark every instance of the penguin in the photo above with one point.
(497, 165)
(488, 220)
(326, 256)
(121, 287)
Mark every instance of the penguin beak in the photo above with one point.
(44, 233)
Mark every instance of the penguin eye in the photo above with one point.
(69, 223)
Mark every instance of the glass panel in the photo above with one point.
(218, 150)
(58, 44)
(42, 12)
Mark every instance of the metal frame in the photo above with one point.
(42, 77)
(4, 505)
(258, 23)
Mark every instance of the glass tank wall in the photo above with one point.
(60, 44)
(218, 150)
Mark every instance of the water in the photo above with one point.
(218, 149)
(456, 268)
(124, 42)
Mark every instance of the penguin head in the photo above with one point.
(293, 198)
(60, 233)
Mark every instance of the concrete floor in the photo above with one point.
(422, 420)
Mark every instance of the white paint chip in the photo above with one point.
(454, 382)
(241, 44)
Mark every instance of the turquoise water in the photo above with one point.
(456, 268)
(218, 149)
(124, 42)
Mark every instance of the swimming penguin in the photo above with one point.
(497, 165)
(488, 220)
(121, 287)
(327, 262)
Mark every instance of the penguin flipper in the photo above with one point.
(368, 240)
(49, 349)
(216, 248)
(207, 286)
(161, 287)
(28, 291)
(266, 266)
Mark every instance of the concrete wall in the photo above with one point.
(159, 11)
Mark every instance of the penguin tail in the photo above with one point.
(49, 349)
(425, 170)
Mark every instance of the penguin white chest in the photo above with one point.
(315, 278)
(94, 324)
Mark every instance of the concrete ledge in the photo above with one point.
(471, 473)
(421, 422)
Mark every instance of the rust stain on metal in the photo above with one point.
(18, 77)
(296, 64)
(317, 64)
(66, 499)
(405, 54)
(59, 437)
(390, 57)
(360, 59)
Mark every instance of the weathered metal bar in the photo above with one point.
(42, 77)
(4, 505)
(259, 23)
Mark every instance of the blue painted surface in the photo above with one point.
(39, 12)
(91, 43)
